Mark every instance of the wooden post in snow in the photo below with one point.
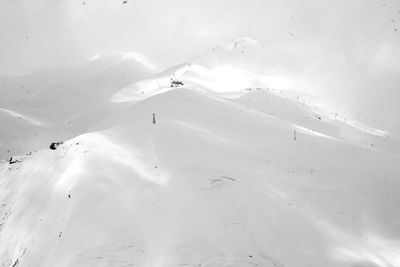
(294, 135)
(154, 118)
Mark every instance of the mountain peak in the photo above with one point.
(118, 56)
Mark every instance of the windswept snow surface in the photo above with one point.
(233, 172)
(212, 183)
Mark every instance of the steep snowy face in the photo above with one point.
(210, 182)
(229, 69)
(233, 67)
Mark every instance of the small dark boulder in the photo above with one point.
(54, 145)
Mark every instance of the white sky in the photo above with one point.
(351, 47)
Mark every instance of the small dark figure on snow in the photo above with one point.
(154, 118)
(12, 161)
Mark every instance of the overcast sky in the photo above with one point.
(353, 47)
(42, 33)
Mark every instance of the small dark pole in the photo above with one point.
(294, 135)
(154, 118)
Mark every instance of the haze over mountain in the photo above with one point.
(346, 52)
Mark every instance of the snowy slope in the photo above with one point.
(316, 121)
(61, 103)
(245, 65)
(235, 172)
(212, 183)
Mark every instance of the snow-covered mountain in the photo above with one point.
(247, 67)
(59, 104)
(187, 168)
